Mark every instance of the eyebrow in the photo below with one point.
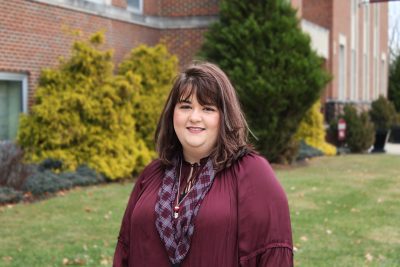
(185, 101)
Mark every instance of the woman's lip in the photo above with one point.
(195, 129)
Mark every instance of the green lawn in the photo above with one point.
(345, 212)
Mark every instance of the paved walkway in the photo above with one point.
(392, 148)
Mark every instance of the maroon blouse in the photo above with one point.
(243, 221)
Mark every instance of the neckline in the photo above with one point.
(202, 162)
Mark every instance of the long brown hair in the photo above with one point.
(212, 87)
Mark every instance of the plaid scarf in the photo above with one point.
(177, 233)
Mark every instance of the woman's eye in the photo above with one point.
(209, 109)
(185, 107)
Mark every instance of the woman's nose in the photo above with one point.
(195, 115)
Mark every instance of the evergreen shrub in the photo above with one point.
(44, 178)
(83, 176)
(77, 180)
(312, 130)
(41, 183)
(9, 195)
(44, 181)
(50, 164)
(360, 132)
(83, 115)
(277, 74)
(383, 113)
(306, 151)
(394, 82)
(156, 68)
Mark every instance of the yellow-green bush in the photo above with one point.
(157, 68)
(312, 131)
(83, 114)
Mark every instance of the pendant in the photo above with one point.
(176, 212)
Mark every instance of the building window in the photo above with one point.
(135, 5)
(13, 101)
(106, 2)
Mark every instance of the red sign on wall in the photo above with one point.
(341, 129)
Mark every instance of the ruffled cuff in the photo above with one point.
(272, 255)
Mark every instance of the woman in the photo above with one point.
(210, 199)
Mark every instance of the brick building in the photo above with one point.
(357, 53)
(35, 33)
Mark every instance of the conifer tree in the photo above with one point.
(394, 82)
(269, 60)
(83, 114)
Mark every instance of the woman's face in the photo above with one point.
(197, 127)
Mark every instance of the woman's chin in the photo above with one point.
(195, 145)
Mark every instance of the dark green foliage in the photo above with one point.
(77, 180)
(83, 176)
(360, 133)
(45, 182)
(383, 113)
(307, 151)
(9, 195)
(84, 170)
(50, 164)
(269, 60)
(13, 172)
(289, 154)
(394, 82)
(17, 177)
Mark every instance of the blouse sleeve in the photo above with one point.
(264, 229)
(121, 254)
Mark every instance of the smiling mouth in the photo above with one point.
(195, 129)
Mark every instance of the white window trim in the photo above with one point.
(8, 76)
(383, 75)
(342, 94)
(353, 75)
(376, 50)
(136, 10)
(100, 2)
(121, 14)
(353, 23)
(366, 61)
(354, 94)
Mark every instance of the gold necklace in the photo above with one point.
(187, 189)
(176, 207)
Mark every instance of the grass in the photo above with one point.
(79, 228)
(345, 212)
